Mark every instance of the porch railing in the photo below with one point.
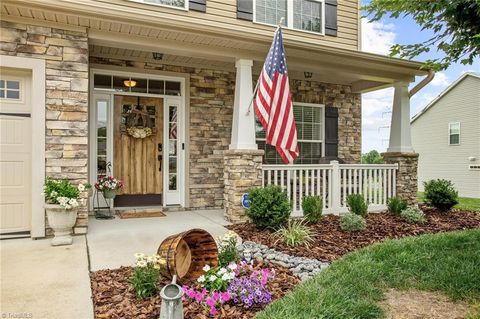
(334, 182)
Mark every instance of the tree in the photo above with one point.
(372, 157)
(455, 24)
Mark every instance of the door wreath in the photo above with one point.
(138, 123)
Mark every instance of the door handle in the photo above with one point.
(159, 158)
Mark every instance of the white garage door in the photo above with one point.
(15, 151)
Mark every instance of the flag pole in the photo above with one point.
(258, 80)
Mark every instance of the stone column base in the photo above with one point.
(242, 170)
(407, 176)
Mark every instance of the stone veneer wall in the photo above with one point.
(66, 56)
(349, 113)
(211, 111)
(407, 174)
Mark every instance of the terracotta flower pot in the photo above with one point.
(61, 220)
(110, 194)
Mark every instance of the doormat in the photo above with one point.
(140, 213)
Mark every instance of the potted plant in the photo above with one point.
(108, 185)
(61, 205)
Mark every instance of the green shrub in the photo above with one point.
(145, 275)
(413, 215)
(352, 222)
(396, 205)
(227, 249)
(295, 233)
(440, 194)
(269, 207)
(357, 205)
(312, 208)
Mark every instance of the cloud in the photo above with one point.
(440, 79)
(377, 37)
(376, 115)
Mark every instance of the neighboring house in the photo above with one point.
(74, 72)
(446, 134)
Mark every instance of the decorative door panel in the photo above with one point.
(137, 149)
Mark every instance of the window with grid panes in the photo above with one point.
(309, 122)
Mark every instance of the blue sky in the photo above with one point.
(377, 37)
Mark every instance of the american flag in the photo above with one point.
(173, 125)
(273, 102)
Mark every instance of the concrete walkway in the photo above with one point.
(112, 243)
(41, 281)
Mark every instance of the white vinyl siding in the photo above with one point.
(304, 15)
(431, 136)
(177, 4)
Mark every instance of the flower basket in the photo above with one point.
(61, 220)
(109, 193)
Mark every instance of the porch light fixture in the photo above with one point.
(130, 83)
(157, 55)
(308, 75)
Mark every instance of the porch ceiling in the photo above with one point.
(208, 45)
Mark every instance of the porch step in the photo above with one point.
(174, 209)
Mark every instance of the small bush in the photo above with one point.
(312, 208)
(352, 222)
(227, 249)
(295, 233)
(357, 205)
(413, 215)
(396, 205)
(269, 207)
(145, 275)
(440, 194)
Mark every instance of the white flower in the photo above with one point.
(206, 268)
(201, 278)
(232, 266)
(139, 255)
(53, 194)
(81, 187)
(142, 263)
(213, 278)
(225, 277)
(221, 271)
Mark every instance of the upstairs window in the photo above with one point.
(305, 15)
(454, 133)
(180, 4)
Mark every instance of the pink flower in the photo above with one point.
(224, 297)
(213, 311)
(198, 296)
(210, 302)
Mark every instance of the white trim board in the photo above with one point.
(37, 67)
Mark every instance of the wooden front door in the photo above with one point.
(138, 161)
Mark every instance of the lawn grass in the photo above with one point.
(351, 287)
(464, 203)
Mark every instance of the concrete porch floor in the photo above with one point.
(41, 281)
(112, 243)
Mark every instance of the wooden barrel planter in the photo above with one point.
(185, 254)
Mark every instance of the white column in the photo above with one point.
(243, 128)
(400, 136)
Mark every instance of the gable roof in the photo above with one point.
(444, 92)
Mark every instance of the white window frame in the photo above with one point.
(449, 132)
(290, 17)
(21, 92)
(163, 5)
(322, 141)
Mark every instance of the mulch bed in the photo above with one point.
(332, 243)
(113, 297)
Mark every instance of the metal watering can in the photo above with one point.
(172, 306)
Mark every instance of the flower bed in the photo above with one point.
(114, 297)
(331, 242)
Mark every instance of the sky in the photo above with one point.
(377, 37)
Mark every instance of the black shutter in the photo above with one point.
(245, 10)
(197, 5)
(331, 17)
(331, 132)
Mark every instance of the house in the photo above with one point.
(77, 75)
(446, 134)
